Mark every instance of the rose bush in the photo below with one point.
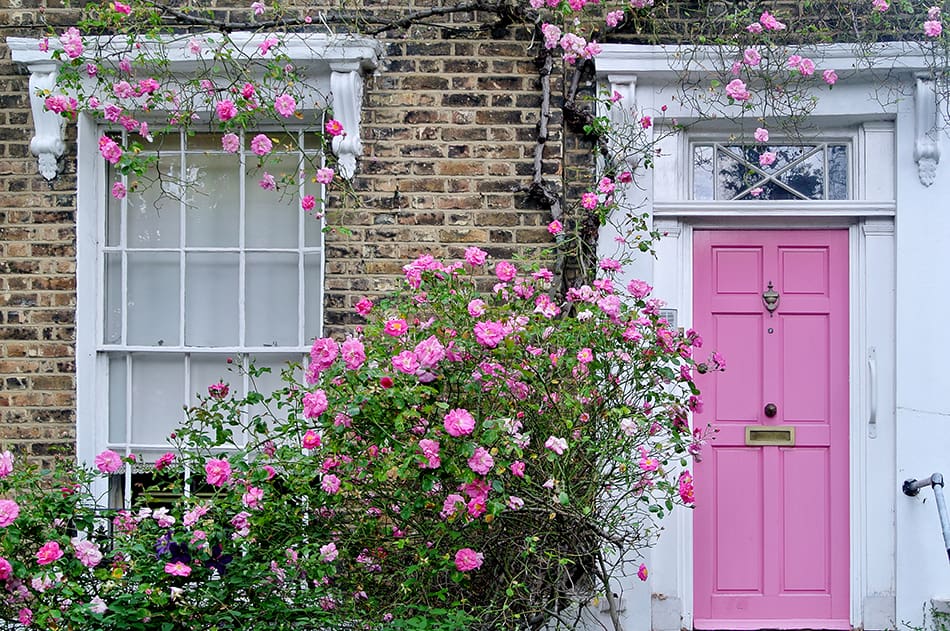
(467, 459)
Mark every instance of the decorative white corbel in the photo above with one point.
(346, 90)
(926, 144)
(623, 114)
(47, 143)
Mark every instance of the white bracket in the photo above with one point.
(623, 114)
(926, 144)
(346, 90)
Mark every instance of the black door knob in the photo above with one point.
(771, 410)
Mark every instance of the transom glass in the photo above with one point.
(817, 171)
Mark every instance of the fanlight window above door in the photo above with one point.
(816, 171)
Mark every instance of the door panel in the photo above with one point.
(771, 522)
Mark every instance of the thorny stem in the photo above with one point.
(611, 602)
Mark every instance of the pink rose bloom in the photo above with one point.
(266, 45)
(323, 353)
(769, 23)
(880, 5)
(475, 256)
(226, 110)
(395, 327)
(481, 461)
(755, 28)
(6, 464)
(430, 449)
(406, 363)
(751, 57)
(589, 200)
(119, 190)
(72, 42)
(164, 460)
(253, 497)
(267, 182)
(311, 439)
(119, 7)
(329, 553)
(110, 150)
(505, 271)
(646, 122)
(467, 560)
(606, 185)
(830, 77)
(49, 553)
(330, 483)
(230, 143)
(459, 422)
(6, 570)
(429, 352)
(25, 616)
(639, 288)
(9, 511)
(933, 28)
(555, 444)
(364, 306)
(476, 308)
(642, 572)
(261, 145)
(806, 67)
(517, 469)
(555, 227)
(736, 90)
(314, 404)
(767, 158)
(258, 8)
(613, 18)
(217, 472)
(109, 461)
(218, 390)
(489, 334)
(308, 202)
(515, 503)
(451, 504)
(325, 175)
(354, 354)
(761, 134)
(86, 551)
(285, 105)
(333, 127)
(686, 490)
(177, 569)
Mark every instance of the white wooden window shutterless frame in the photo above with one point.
(202, 267)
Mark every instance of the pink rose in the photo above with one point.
(517, 469)
(364, 306)
(556, 444)
(481, 461)
(325, 175)
(459, 422)
(475, 256)
(830, 77)
(761, 134)
(6, 570)
(109, 461)
(226, 110)
(467, 560)
(230, 143)
(6, 464)
(430, 449)
(177, 569)
(9, 511)
(505, 271)
(555, 228)
(261, 145)
(285, 105)
(311, 439)
(217, 472)
(333, 127)
(49, 553)
(736, 90)
(314, 404)
(642, 572)
(353, 353)
(308, 202)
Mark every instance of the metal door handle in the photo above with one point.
(771, 410)
(872, 390)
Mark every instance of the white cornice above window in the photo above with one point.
(334, 66)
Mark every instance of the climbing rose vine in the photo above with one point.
(473, 458)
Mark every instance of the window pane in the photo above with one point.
(734, 177)
(212, 212)
(113, 215)
(837, 172)
(112, 301)
(770, 190)
(153, 298)
(209, 369)
(267, 384)
(313, 284)
(807, 176)
(703, 172)
(154, 218)
(211, 299)
(158, 383)
(117, 403)
(271, 217)
(271, 297)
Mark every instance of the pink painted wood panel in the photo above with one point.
(770, 544)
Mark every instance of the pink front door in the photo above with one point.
(770, 543)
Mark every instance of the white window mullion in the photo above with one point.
(182, 220)
(242, 257)
(127, 482)
(302, 296)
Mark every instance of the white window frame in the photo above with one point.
(335, 66)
